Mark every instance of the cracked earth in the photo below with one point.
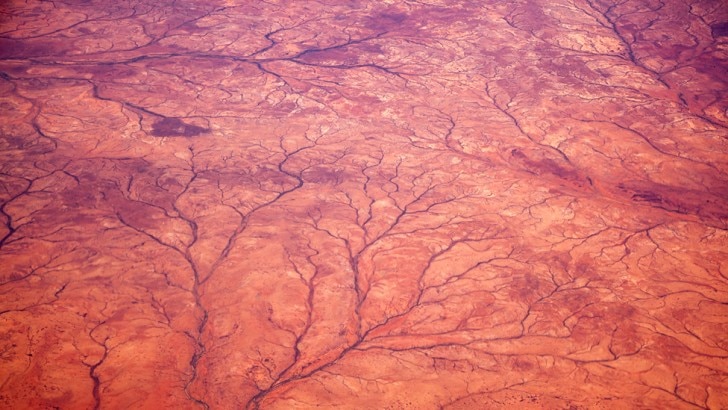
(359, 204)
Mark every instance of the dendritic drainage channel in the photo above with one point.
(347, 205)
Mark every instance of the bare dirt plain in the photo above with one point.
(360, 204)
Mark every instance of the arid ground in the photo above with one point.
(348, 204)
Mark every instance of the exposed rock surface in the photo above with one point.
(364, 204)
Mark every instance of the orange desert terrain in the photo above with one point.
(394, 204)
